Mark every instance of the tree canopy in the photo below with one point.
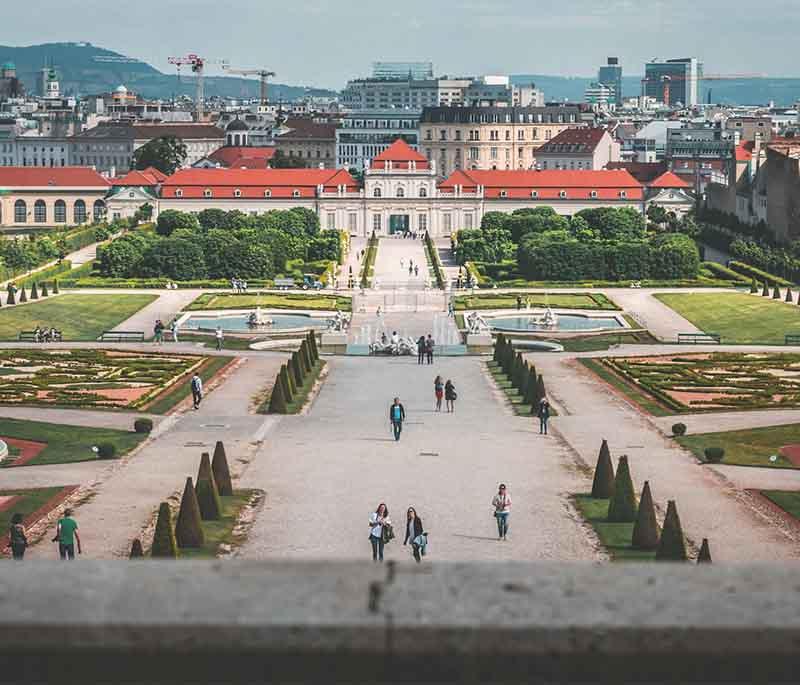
(166, 154)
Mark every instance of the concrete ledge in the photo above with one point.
(237, 622)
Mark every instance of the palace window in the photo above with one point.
(623, 194)
(562, 193)
(39, 212)
(423, 192)
(534, 194)
(295, 193)
(60, 211)
(267, 193)
(79, 211)
(237, 193)
(401, 192)
(376, 192)
(376, 223)
(593, 194)
(20, 212)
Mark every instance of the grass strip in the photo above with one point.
(221, 532)
(180, 390)
(750, 447)
(615, 537)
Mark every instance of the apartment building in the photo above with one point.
(579, 148)
(363, 135)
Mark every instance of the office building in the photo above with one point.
(363, 135)
(674, 81)
(610, 75)
(600, 96)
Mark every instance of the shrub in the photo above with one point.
(765, 290)
(34, 291)
(776, 294)
(188, 527)
(672, 546)
(704, 557)
(603, 484)
(714, 455)
(788, 297)
(208, 499)
(222, 474)
(622, 506)
(55, 287)
(678, 429)
(164, 544)
(645, 531)
(22, 296)
(530, 387)
(106, 450)
(278, 401)
(44, 289)
(205, 467)
(295, 368)
(754, 286)
(137, 552)
(143, 425)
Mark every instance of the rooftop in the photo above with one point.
(57, 177)
(574, 140)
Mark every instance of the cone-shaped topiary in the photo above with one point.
(788, 297)
(290, 379)
(286, 383)
(622, 505)
(205, 467)
(11, 299)
(517, 370)
(312, 345)
(498, 346)
(754, 286)
(530, 391)
(164, 545)
(704, 557)
(305, 361)
(188, 527)
(524, 380)
(278, 400)
(541, 393)
(776, 294)
(645, 532)
(208, 499)
(44, 289)
(222, 474)
(136, 549)
(672, 546)
(55, 287)
(34, 292)
(765, 290)
(22, 296)
(603, 483)
(295, 368)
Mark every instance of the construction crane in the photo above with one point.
(197, 65)
(666, 81)
(263, 74)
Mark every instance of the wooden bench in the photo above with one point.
(122, 336)
(30, 336)
(699, 338)
(791, 339)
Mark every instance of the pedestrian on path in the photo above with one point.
(218, 335)
(197, 390)
(429, 345)
(158, 332)
(415, 534)
(502, 510)
(421, 350)
(378, 519)
(402, 263)
(450, 396)
(416, 270)
(17, 538)
(397, 414)
(543, 412)
(438, 391)
(66, 536)
(174, 328)
(450, 309)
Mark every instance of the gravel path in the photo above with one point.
(718, 422)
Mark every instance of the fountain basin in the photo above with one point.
(567, 322)
(238, 322)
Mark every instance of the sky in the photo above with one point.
(323, 43)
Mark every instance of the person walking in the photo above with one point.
(66, 536)
(158, 332)
(17, 538)
(218, 335)
(438, 391)
(397, 414)
(377, 520)
(450, 396)
(416, 270)
(543, 412)
(429, 345)
(197, 390)
(502, 508)
(402, 263)
(421, 350)
(410, 270)
(415, 534)
(174, 328)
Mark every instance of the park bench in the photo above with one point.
(792, 339)
(30, 336)
(122, 336)
(284, 283)
(699, 338)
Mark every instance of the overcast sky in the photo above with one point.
(325, 42)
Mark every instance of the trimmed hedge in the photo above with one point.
(143, 425)
(753, 272)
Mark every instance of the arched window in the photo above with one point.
(39, 212)
(60, 210)
(401, 192)
(79, 212)
(423, 192)
(99, 210)
(20, 212)
(376, 192)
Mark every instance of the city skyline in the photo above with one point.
(506, 36)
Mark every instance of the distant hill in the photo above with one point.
(753, 91)
(81, 73)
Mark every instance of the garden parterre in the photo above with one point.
(92, 379)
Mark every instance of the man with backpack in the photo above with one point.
(397, 414)
(197, 390)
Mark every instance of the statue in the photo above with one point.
(340, 323)
(476, 324)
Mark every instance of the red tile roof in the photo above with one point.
(548, 184)
(138, 178)
(669, 180)
(231, 153)
(253, 183)
(59, 177)
(573, 140)
(744, 151)
(155, 173)
(400, 154)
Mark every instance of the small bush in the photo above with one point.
(678, 429)
(106, 450)
(714, 455)
(143, 425)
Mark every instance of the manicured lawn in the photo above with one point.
(642, 399)
(616, 537)
(787, 500)
(78, 317)
(220, 532)
(596, 301)
(30, 501)
(180, 390)
(66, 443)
(315, 301)
(737, 317)
(751, 447)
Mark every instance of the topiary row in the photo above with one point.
(293, 375)
(521, 374)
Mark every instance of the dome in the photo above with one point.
(122, 90)
(237, 125)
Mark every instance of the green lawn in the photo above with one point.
(314, 301)
(638, 397)
(181, 389)
(32, 500)
(596, 301)
(737, 317)
(78, 317)
(751, 447)
(66, 443)
(786, 500)
(220, 532)
(616, 537)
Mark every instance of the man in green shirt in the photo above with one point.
(66, 535)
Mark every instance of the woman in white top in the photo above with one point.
(377, 520)
(502, 508)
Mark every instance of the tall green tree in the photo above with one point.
(166, 154)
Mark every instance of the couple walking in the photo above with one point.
(425, 349)
(381, 533)
(446, 390)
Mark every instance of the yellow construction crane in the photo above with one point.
(263, 74)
